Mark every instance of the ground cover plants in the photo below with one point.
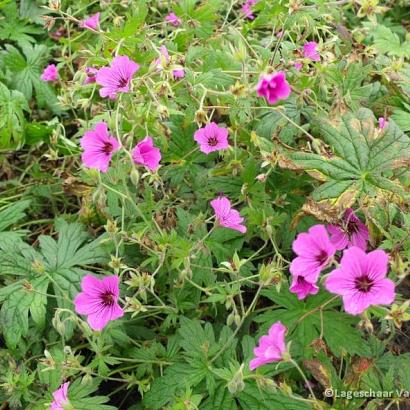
(204, 204)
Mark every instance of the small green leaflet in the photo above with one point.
(361, 155)
(12, 214)
(13, 104)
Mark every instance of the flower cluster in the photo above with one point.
(360, 279)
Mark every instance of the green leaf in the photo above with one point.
(14, 29)
(256, 397)
(24, 72)
(361, 155)
(221, 399)
(305, 322)
(389, 43)
(13, 214)
(175, 379)
(79, 395)
(341, 335)
(402, 119)
(13, 104)
(14, 322)
(349, 81)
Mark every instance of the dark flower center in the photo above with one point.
(107, 299)
(107, 148)
(352, 227)
(301, 280)
(212, 141)
(122, 82)
(322, 257)
(363, 284)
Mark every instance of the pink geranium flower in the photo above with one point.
(117, 77)
(50, 73)
(273, 87)
(382, 122)
(91, 74)
(298, 66)
(271, 348)
(351, 232)
(226, 216)
(178, 73)
(92, 22)
(60, 397)
(99, 147)
(361, 280)
(99, 300)
(173, 19)
(310, 51)
(146, 154)
(302, 287)
(211, 138)
(247, 10)
(314, 251)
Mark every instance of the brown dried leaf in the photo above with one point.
(318, 371)
(359, 367)
(323, 211)
(73, 186)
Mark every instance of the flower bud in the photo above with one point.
(236, 384)
(135, 176)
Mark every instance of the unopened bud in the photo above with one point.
(237, 384)
(135, 176)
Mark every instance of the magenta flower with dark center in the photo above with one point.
(361, 280)
(314, 250)
(50, 73)
(211, 138)
(271, 348)
(60, 397)
(99, 300)
(146, 154)
(226, 216)
(273, 87)
(310, 51)
(99, 147)
(117, 77)
(351, 232)
(302, 287)
(92, 22)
